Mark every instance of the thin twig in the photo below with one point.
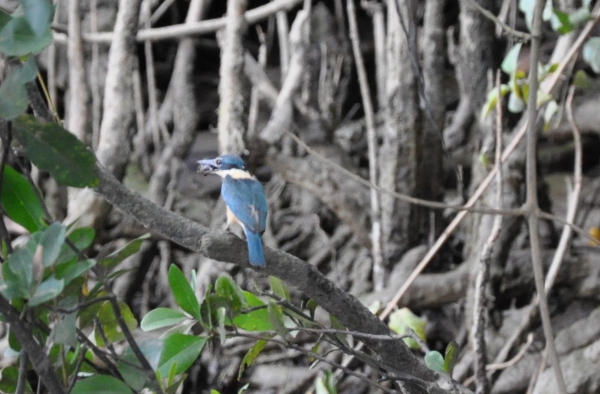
(572, 199)
(283, 33)
(519, 34)
(318, 357)
(532, 197)
(108, 363)
(515, 359)
(379, 271)
(22, 380)
(159, 12)
(154, 383)
(75, 372)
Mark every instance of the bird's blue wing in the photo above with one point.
(246, 200)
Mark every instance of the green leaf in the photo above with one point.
(117, 257)
(335, 323)
(108, 320)
(492, 100)
(183, 293)
(515, 104)
(226, 288)
(101, 384)
(20, 202)
(451, 357)
(279, 288)
(82, 238)
(311, 305)
(13, 94)
(52, 148)
(435, 361)
(511, 61)
(64, 331)
(591, 53)
(47, 290)
(325, 384)
(39, 15)
(161, 317)
(8, 381)
(250, 356)
(52, 241)
(75, 269)
(549, 113)
(17, 38)
(257, 320)
(135, 377)
(18, 272)
(276, 318)
(542, 98)
(243, 388)
(5, 17)
(561, 22)
(403, 319)
(181, 349)
(581, 80)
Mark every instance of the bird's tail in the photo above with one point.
(255, 249)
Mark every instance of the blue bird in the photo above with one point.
(245, 200)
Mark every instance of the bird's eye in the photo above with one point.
(218, 161)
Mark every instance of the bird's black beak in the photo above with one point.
(207, 166)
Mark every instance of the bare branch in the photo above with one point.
(499, 22)
(532, 198)
(572, 200)
(379, 271)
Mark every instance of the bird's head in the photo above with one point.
(223, 165)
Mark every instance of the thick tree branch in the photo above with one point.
(228, 248)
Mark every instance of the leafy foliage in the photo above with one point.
(52, 148)
(27, 31)
(13, 96)
(404, 319)
(20, 202)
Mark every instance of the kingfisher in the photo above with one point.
(245, 199)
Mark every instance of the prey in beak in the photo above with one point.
(207, 166)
